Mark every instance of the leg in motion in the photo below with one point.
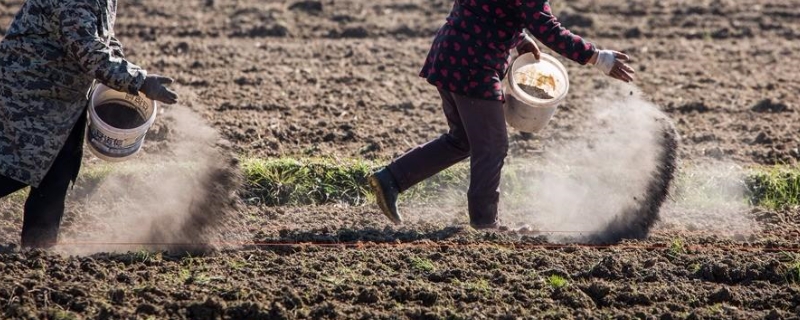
(485, 126)
(421, 162)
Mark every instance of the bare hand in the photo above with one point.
(621, 70)
(529, 46)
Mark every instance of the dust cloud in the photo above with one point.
(607, 185)
(620, 180)
(710, 198)
(182, 197)
(616, 182)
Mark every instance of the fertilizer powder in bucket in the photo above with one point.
(120, 116)
(536, 83)
(118, 123)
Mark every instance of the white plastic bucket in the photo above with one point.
(525, 112)
(117, 144)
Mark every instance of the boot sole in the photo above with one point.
(380, 199)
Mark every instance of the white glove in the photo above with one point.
(605, 61)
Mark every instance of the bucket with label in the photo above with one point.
(118, 123)
(534, 89)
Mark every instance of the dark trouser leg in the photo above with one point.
(485, 125)
(477, 130)
(429, 159)
(45, 205)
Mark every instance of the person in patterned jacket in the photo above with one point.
(466, 63)
(50, 57)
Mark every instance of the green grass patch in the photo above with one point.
(315, 181)
(57, 314)
(791, 263)
(677, 247)
(480, 286)
(555, 281)
(422, 264)
(775, 187)
(237, 264)
(183, 275)
(286, 181)
(708, 187)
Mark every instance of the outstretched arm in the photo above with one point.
(81, 37)
(543, 25)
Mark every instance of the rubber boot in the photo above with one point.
(386, 192)
(483, 213)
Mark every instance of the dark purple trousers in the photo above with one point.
(478, 131)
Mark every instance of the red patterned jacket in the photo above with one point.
(470, 53)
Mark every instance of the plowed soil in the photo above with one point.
(339, 78)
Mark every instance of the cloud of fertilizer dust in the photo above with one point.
(184, 195)
(609, 184)
(614, 182)
(711, 198)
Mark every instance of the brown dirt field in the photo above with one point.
(339, 78)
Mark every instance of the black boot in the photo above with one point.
(39, 238)
(386, 191)
(483, 214)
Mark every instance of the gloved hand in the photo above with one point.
(612, 63)
(155, 88)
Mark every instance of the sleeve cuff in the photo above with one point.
(138, 81)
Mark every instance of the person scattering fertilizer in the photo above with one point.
(49, 58)
(468, 58)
